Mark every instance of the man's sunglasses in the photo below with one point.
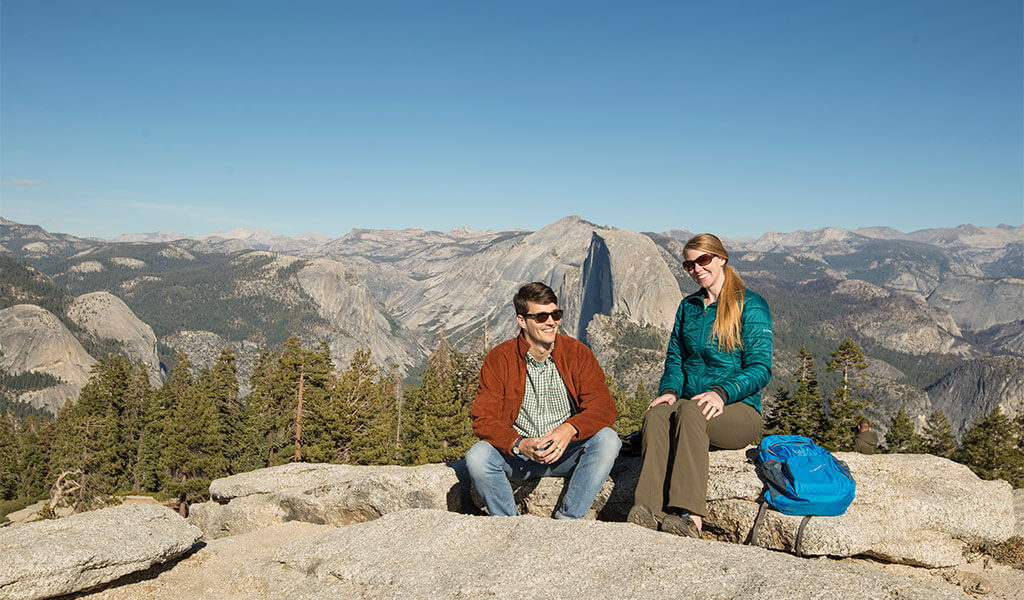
(543, 317)
(702, 260)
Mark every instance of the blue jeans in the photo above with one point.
(585, 462)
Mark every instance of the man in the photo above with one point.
(866, 441)
(542, 410)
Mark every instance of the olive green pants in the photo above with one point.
(676, 441)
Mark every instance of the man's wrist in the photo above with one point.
(515, 446)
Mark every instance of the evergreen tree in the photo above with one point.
(356, 423)
(901, 436)
(284, 386)
(133, 421)
(845, 410)
(8, 458)
(35, 438)
(774, 411)
(310, 374)
(938, 436)
(157, 410)
(1019, 422)
(221, 385)
(804, 413)
(631, 408)
(262, 434)
(439, 427)
(90, 436)
(193, 444)
(991, 448)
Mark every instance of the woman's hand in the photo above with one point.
(666, 398)
(712, 403)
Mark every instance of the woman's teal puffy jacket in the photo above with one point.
(693, 363)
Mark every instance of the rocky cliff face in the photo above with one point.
(625, 275)
(107, 316)
(357, 320)
(977, 387)
(32, 339)
(977, 303)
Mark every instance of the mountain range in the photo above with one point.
(939, 313)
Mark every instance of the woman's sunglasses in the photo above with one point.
(702, 260)
(543, 317)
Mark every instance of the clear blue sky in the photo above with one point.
(732, 117)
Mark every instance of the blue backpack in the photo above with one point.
(801, 478)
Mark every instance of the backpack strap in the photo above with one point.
(758, 520)
(800, 536)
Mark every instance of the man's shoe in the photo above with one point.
(642, 516)
(680, 525)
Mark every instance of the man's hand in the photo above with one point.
(667, 398)
(548, 448)
(712, 403)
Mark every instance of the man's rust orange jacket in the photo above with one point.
(503, 382)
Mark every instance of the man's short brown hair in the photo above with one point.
(535, 292)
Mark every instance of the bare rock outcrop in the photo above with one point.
(435, 554)
(52, 558)
(107, 316)
(326, 494)
(911, 509)
(33, 339)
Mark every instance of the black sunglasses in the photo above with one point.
(702, 260)
(543, 317)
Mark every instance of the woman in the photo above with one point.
(719, 357)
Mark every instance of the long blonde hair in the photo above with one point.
(730, 301)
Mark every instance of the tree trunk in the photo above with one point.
(298, 416)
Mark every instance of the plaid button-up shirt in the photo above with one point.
(545, 401)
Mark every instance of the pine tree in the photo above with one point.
(310, 372)
(774, 412)
(90, 435)
(35, 439)
(1019, 423)
(631, 408)
(438, 424)
(356, 423)
(193, 446)
(806, 411)
(157, 411)
(261, 433)
(938, 436)
(991, 448)
(133, 421)
(8, 458)
(221, 385)
(901, 436)
(284, 387)
(845, 410)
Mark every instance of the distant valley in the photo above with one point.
(939, 313)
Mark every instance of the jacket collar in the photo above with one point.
(523, 345)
